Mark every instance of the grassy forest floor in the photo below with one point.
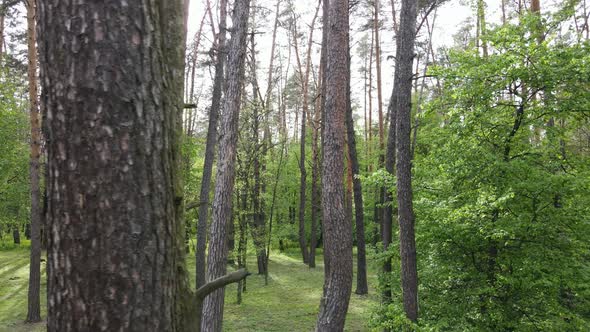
(289, 303)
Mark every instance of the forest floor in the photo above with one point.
(289, 302)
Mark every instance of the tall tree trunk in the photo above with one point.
(337, 227)
(191, 95)
(116, 250)
(376, 27)
(34, 308)
(361, 276)
(304, 81)
(481, 18)
(242, 226)
(224, 185)
(2, 19)
(302, 190)
(269, 89)
(315, 175)
(258, 227)
(403, 73)
(272, 208)
(201, 248)
(323, 88)
(16, 235)
(370, 94)
(388, 210)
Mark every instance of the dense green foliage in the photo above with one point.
(502, 172)
(14, 149)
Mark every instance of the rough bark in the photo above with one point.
(201, 248)
(34, 306)
(115, 206)
(404, 70)
(222, 209)
(323, 65)
(337, 227)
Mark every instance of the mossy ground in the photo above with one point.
(288, 303)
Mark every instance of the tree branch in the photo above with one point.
(192, 205)
(227, 279)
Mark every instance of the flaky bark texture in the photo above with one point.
(34, 307)
(201, 249)
(111, 78)
(403, 98)
(222, 209)
(337, 227)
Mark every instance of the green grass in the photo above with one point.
(289, 302)
(14, 277)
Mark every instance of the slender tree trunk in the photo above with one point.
(2, 19)
(16, 235)
(404, 69)
(304, 79)
(481, 18)
(337, 227)
(269, 89)
(376, 26)
(115, 206)
(242, 226)
(302, 190)
(217, 258)
(361, 280)
(370, 93)
(34, 308)
(323, 89)
(201, 248)
(272, 208)
(394, 17)
(258, 227)
(191, 96)
(388, 210)
(315, 176)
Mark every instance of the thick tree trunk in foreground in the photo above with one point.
(404, 70)
(116, 235)
(200, 251)
(34, 306)
(222, 201)
(337, 227)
